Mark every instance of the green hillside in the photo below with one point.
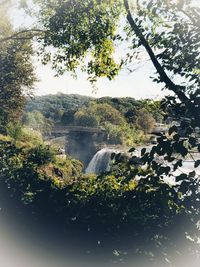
(51, 105)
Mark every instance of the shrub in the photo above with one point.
(14, 130)
(41, 155)
(30, 135)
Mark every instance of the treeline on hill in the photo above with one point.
(126, 120)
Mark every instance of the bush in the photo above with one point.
(145, 120)
(116, 204)
(41, 155)
(14, 130)
(30, 135)
(124, 134)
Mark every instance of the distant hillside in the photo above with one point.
(54, 107)
(49, 105)
(123, 104)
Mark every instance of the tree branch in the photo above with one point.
(19, 35)
(177, 89)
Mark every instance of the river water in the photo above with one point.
(101, 161)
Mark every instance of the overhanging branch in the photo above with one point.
(177, 89)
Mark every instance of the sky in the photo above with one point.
(137, 84)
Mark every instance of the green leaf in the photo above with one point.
(192, 141)
(189, 130)
(143, 151)
(197, 163)
(198, 148)
(155, 166)
(192, 174)
(173, 129)
(179, 163)
(181, 177)
(183, 151)
(112, 156)
(176, 137)
(131, 150)
(167, 170)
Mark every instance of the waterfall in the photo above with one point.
(100, 161)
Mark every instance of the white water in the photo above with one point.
(100, 161)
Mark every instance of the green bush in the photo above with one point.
(124, 134)
(32, 136)
(41, 155)
(14, 130)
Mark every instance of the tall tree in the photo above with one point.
(16, 73)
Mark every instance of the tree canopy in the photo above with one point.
(16, 73)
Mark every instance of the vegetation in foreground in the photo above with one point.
(42, 185)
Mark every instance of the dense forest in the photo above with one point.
(145, 209)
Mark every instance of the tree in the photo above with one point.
(145, 120)
(154, 26)
(102, 113)
(154, 108)
(106, 113)
(14, 130)
(20, 34)
(58, 114)
(37, 121)
(68, 117)
(51, 105)
(16, 74)
(85, 118)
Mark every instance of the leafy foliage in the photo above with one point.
(104, 113)
(51, 105)
(16, 74)
(85, 118)
(145, 121)
(73, 43)
(36, 121)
